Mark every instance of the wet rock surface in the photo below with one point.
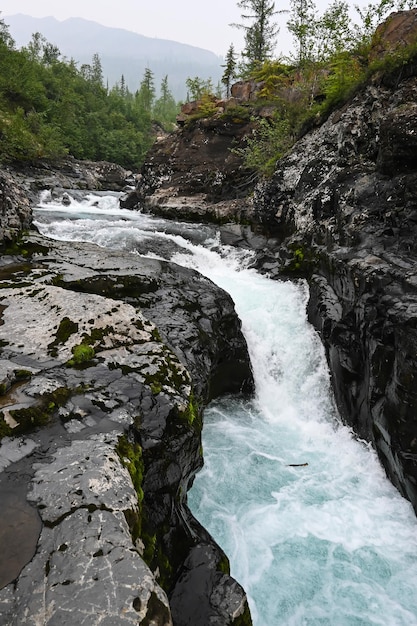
(15, 209)
(101, 421)
(339, 210)
(27, 181)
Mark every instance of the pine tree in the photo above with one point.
(261, 34)
(146, 93)
(230, 69)
(165, 108)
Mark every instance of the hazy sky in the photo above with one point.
(181, 20)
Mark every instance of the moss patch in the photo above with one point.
(36, 416)
(302, 262)
(130, 455)
(19, 247)
(155, 557)
(193, 413)
(66, 328)
(244, 619)
(22, 375)
(5, 430)
(82, 355)
(168, 374)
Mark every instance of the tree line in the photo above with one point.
(317, 37)
(50, 107)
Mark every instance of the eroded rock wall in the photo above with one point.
(195, 174)
(15, 209)
(343, 207)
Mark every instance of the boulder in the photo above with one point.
(246, 90)
(394, 34)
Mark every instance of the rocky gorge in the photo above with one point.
(130, 350)
(340, 210)
(342, 206)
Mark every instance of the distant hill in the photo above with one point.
(121, 51)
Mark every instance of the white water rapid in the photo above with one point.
(314, 531)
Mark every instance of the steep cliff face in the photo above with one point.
(343, 206)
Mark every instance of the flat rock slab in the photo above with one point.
(86, 569)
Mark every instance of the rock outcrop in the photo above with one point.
(65, 174)
(15, 209)
(101, 423)
(195, 174)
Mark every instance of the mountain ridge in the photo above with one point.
(122, 52)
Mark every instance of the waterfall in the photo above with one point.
(314, 531)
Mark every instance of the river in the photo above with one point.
(314, 531)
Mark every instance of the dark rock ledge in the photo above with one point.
(102, 391)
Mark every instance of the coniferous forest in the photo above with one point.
(50, 107)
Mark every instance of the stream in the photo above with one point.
(315, 532)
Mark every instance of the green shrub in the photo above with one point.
(269, 142)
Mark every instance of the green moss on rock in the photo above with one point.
(66, 328)
(21, 375)
(130, 454)
(193, 413)
(303, 260)
(244, 619)
(5, 430)
(82, 355)
(35, 416)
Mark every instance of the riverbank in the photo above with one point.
(101, 409)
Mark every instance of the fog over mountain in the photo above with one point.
(122, 52)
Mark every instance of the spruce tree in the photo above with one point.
(260, 34)
(146, 93)
(97, 71)
(165, 109)
(230, 69)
